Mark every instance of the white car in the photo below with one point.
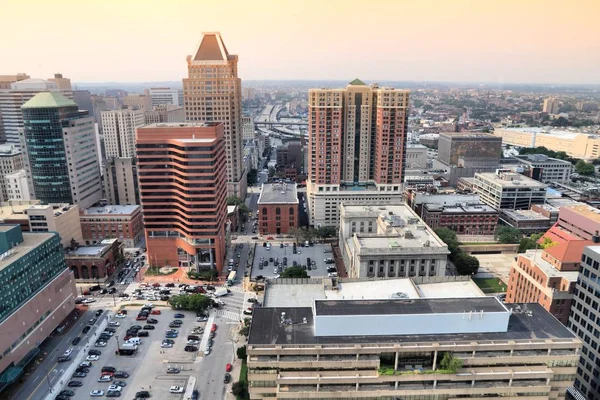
(67, 352)
(166, 345)
(149, 305)
(193, 342)
(88, 301)
(100, 344)
(207, 351)
(176, 389)
(97, 393)
(114, 323)
(120, 316)
(201, 319)
(115, 388)
(92, 358)
(105, 378)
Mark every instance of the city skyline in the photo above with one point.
(459, 41)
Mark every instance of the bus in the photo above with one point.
(231, 278)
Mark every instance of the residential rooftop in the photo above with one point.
(29, 243)
(278, 193)
(461, 209)
(111, 210)
(525, 215)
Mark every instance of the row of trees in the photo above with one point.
(192, 302)
(464, 263)
(510, 235)
(304, 233)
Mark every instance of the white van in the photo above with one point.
(134, 340)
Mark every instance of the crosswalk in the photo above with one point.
(232, 315)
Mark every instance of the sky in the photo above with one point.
(495, 41)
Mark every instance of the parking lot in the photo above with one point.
(317, 252)
(147, 369)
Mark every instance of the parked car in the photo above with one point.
(97, 393)
(176, 389)
(173, 370)
(149, 327)
(143, 394)
(75, 384)
(79, 375)
(121, 374)
(85, 364)
(62, 359)
(105, 378)
(228, 367)
(227, 378)
(179, 315)
(92, 358)
(76, 340)
(190, 349)
(143, 333)
(86, 329)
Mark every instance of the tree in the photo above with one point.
(241, 353)
(193, 302)
(294, 272)
(297, 233)
(508, 234)
(240, 389)
(234, 201)
(308, 233)
(271, 172)
(584, 168)
(252, 176)
(530, 242)
(466, 264)
(450, 363)
(325, 232)
(449, 237)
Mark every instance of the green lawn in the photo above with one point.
(490, 285)
(243, 377)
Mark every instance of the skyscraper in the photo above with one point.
(356, 144)
(166, 96)
(118, 129)
(181, 169)
(60, 153)
(212, 92)
(551, 105)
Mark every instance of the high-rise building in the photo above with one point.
(11, 161)
(60, 153)
(183, 199)
(118, 129)
(247, 128)
(138, 101)
(164, 113)
(7, 80)
(356, 144)
(212, 92)
(121, 181)
(12, 99)
(61, 82)
(37, 294)
(166, 96)
(551, 105)
(60, 218)
(585, 323)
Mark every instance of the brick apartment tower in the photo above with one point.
(212, 92)
(182, 182)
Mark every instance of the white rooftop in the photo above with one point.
(549, 269)
(111, 209)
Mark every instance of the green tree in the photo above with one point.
(297, 233)
(448, 236)
(466, 264)
(508, 234)
(271, 172)
(241, 353)
(560, 121)
(584, 168)
(325, 232)
(252, 177)
(450, 363)
(308, 233)
(240, 389)
(193, 302)
(294, 272)
(528, 243)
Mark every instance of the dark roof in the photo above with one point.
(267, 329)
(408, 306)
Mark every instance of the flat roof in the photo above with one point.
(528, 322)
(408, 306)
(550, 270)
(182, 124)
(9, 210)
(94, 251)
(585, 210)
(524, 215)
(30, 242)
(460, 209)
(510, 180)
(111, 210)
(540, 158)
(456, 289)
(278, 193)
(544, 131)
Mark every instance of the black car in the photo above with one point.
(171, 284)
(111, 283)
(112, 290)
(123, 295)
(144, 394)
(143, 333)
(94, 352)
(149, 327)
(79, 374)
(135, 328)
(108, 369)
(193, 337)
(113, 393)
(61, 397)
(131, 333)
(191, 349)
(75, 341)
(78, 301)
(146, 310)
(164, 298)
(165, 291)
(152, 321)
(210, 287)
(99, 312)
(67, 393)
(104, 337)
(82, 369)
(111, 330)
(179, 316)
(227, 378)
(63, 359)
(195, 395)
(121, 374)
(75, 384)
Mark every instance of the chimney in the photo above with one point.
(596, 238)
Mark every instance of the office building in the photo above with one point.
(118, 129)
(545, 169)
(60, 218)
(62, 83)
(166, 96)
(508, 190)
(389, 241)
(416, 156)
(551, 105)
(356, 147)
(248, 128)
(417, 198)
(467, 219)
(581, 220)
(430, 140)
(138, 102)
(184, 204)
(94, 264)
(575, 144)
(527, 221)
(12, 99)
(11, 161)
(584, 322)
(7, 80)
(113, 222)
(277, 208)
(60, 147)
(37, 296)
(212, 92)
(401, 347)
(290, 157)
(164, 113)
(17, 186)
(121, 181)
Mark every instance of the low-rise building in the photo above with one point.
(278, 208)
(547, 210)
(60, 218)
(527, 221)
(416, 198)
(37, 294)
(94, 264)
(508, 190)
(389, 241)
(416, 156)
(546, 169)
(471, 219)
(581, 220)
(124, 223)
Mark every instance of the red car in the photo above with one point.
(141, 317)
(155, 312)
(228, 368)
(213, 328)
(270, 238)
(156, 284)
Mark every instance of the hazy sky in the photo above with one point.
(530, 41)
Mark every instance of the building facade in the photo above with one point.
(17, 186)
(118, 129)
(164, 113)
(11, 161)
(94, 264)
(389, 241)
(183, 199)
(546, 169)
(212, 92)
(551, 105)
(508, 190)
(278, 208)
(138, 102)
(37, 295)
(416, 156)
(527, 221)
(356, 142)
(61, 82)
(247, 128)
(582, 220)
(472, 219)
(121, 181)
(61, 156)
(124, 223)
(166, 96)
(60, 218)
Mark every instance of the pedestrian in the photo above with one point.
(150, 387)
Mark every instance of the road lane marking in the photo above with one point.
(42, 381)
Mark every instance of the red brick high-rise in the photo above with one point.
(183, 189)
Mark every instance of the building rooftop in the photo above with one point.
(49, 100)
(87, 251)
(211, 48)
(586, 211)
(509, 180)
(550, 270)
(540, 158)
(544, 131)
(461, 209)
(111, 210)
(182, 124)
(29, 243)
(524, 215)
(278, 193)
(15, 209)
(527, 322)
(7, 150)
